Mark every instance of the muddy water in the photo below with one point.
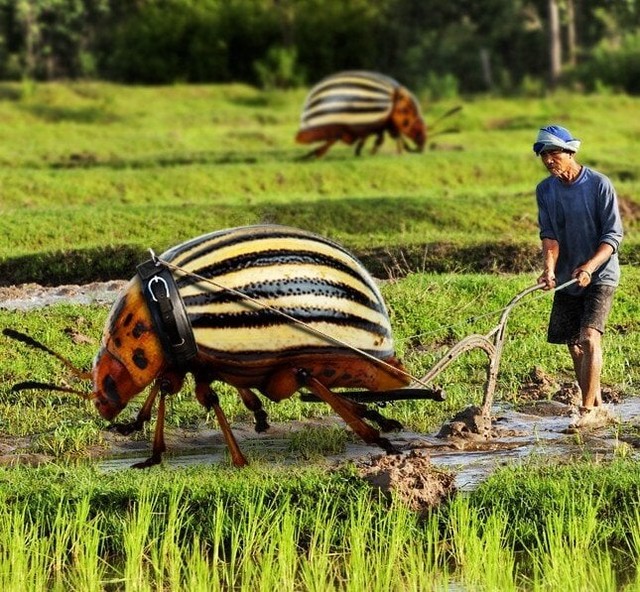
(538, 430)
(31, 296)
(520, 434)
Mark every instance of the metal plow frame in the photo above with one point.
(491, 343)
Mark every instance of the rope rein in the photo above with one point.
(496, 312)
(319, 332)
(287, 316)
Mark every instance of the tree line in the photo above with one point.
(500, 46)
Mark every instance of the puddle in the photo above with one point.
(521, 436)
(31, 296)
(534, 429)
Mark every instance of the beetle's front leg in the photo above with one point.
(378, 142)
(159, 445)
(168, 385)
(144, 415)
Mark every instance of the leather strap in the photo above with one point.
(168, 313)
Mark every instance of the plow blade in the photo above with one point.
(405, 394)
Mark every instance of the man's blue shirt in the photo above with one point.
(581, 216)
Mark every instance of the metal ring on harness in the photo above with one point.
(167, 312)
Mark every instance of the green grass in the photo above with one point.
(93, 174)
(527, 528)
(429, 313)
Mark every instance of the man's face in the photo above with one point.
(557, 161)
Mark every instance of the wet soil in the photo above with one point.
(31, 296)
(428, 468)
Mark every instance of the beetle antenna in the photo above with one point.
(449, 113)
(31, 342)
(45, 386)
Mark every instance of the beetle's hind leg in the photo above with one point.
(361, 410)
(386, 424)
(320, 151)
(348, 410)
(252, 403)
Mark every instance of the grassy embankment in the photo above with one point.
(93, 175)
(274, 528)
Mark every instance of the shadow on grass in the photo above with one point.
(88, 159)
(73, 266)
(355, 217)
(58, 114)
(119, 262)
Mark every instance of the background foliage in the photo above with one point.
(444, 47)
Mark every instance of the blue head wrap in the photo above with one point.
(555, 137)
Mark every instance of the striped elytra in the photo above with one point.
(253, 288)
(350, 106)
(266, 309)
(349, 98)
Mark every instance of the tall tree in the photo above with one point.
(555, 43)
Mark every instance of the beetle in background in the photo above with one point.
(351, 106)
(265, 308)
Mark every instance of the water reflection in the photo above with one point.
(534, 430)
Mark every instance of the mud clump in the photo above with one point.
(537, 385)
(410, 477)
(540, 387)
(469, 423)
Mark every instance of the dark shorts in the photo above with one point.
(569, 313)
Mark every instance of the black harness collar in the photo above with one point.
(167, 312)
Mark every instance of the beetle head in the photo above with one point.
(407, 118)
(131, 355)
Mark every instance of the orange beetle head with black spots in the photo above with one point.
(131, 355)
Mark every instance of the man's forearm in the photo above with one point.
(550, 252)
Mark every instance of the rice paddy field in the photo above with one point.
(93, 175)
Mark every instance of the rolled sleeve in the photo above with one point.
(611, 221)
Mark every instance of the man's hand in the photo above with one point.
(548, 278)
(583, 276)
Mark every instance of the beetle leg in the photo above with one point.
(144, 415)
(361, 410)
(169, 384)
(159, 445)
(346, 410)
(408, 147)
(378, 142)
(209, 399)
(321, 151)
(318, 152)
(359, 146)
(251, 402)
(386, 424)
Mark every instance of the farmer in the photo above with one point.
(581, 232)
